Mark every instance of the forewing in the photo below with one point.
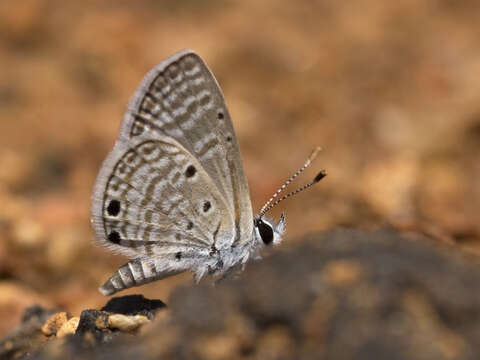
(180, 98)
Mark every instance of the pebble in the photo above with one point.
(126, 322)
(69, 327)
(54, 323)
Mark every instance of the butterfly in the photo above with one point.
(172, 195)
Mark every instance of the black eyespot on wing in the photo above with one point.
(113, 208)
(266, 232)
(229, 138)
(191, 170)
(189, 225)
(220, 115)
(114, 237)
(178, 255)
(206, 206)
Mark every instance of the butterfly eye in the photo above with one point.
(266, 232)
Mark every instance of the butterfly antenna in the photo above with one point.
(312, 156)
(317, 178)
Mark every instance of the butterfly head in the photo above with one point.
(267, 232)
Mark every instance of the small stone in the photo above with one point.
(126, 323)
(69, 327)
(54, 323)
(8, 345)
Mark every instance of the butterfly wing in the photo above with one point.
(174, 182)
(180, 98)
(156, 200)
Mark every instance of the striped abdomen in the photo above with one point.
(134, 273)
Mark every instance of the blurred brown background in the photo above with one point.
(390, 90)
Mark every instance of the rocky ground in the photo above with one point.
(345, 294)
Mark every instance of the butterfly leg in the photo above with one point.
(134, 273)
(231, 273)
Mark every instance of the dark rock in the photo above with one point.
(36, 313)
(27, 336)
(94, 323)
(134, 305)
(340, 295)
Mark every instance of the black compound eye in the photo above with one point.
(266, 232)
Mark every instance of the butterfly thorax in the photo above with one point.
(223, 260)
(265, 233)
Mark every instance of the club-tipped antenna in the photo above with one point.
(268, 205)
(317, 178)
